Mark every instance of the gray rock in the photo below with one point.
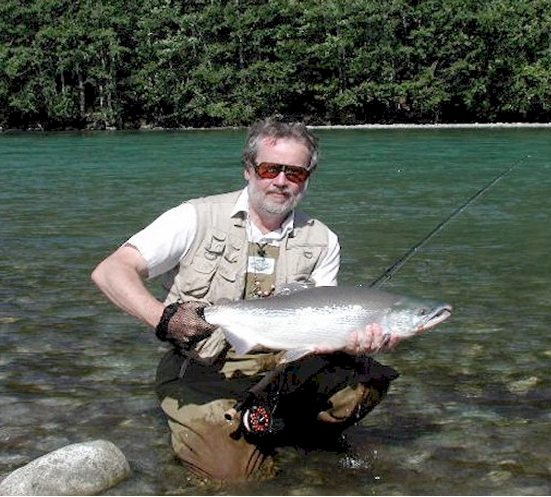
(78, 469)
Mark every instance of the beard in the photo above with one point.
(266, 202)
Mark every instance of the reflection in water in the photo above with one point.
(470, 411)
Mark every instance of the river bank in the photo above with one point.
(503, 125)
(438, 126)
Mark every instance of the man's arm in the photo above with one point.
(121, 278)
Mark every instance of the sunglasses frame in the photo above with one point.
(295, 174)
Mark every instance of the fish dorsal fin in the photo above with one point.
(291, 288)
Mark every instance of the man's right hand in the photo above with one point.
(183, 324)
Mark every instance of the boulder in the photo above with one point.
(86, 468)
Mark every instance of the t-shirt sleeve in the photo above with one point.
(326, 273)
(165, 241)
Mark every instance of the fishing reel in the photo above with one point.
(257, 418)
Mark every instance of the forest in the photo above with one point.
(127, 64)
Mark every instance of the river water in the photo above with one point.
(470, 413)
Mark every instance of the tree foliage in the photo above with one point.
(172, 63)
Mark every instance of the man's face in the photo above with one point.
(279, 195)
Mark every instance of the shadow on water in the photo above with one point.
(401, 430)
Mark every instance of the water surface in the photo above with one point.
(468, 415)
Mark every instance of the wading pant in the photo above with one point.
(313, 407)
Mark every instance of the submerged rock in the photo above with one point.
(86, 468)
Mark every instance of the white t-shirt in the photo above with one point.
(168, 238)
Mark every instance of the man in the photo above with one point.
(238, 245)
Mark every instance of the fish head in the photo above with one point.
(409, 316)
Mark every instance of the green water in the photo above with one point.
(470, 413)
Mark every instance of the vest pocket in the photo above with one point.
(215, 247)
(205, 265)
(303, 261)
(201, 270)
(198, 277)
(214, 265)
(227, 267)
(228, 273)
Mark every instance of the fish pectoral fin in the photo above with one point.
(241, 344)
(295, 354)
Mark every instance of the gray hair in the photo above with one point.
(276, 130)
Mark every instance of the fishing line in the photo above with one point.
(411, 252)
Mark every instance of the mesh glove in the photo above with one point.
(183, 324)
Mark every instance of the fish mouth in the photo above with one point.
(437, 316)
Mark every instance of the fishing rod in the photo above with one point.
(387, 274)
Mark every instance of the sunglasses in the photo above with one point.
(270, 170)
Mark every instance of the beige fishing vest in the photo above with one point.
(215, 266)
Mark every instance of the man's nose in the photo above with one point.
(281, 179)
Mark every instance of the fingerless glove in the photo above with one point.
(183, 324)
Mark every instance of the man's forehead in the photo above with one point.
(270, 142)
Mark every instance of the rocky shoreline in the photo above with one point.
(438, 126)
(504, 125)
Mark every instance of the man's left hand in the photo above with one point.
(371, 340)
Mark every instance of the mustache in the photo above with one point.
(280, 189)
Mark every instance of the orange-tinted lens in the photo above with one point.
(269, 170)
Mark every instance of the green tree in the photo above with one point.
(213, 62)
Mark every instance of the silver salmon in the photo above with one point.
(315, 317)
